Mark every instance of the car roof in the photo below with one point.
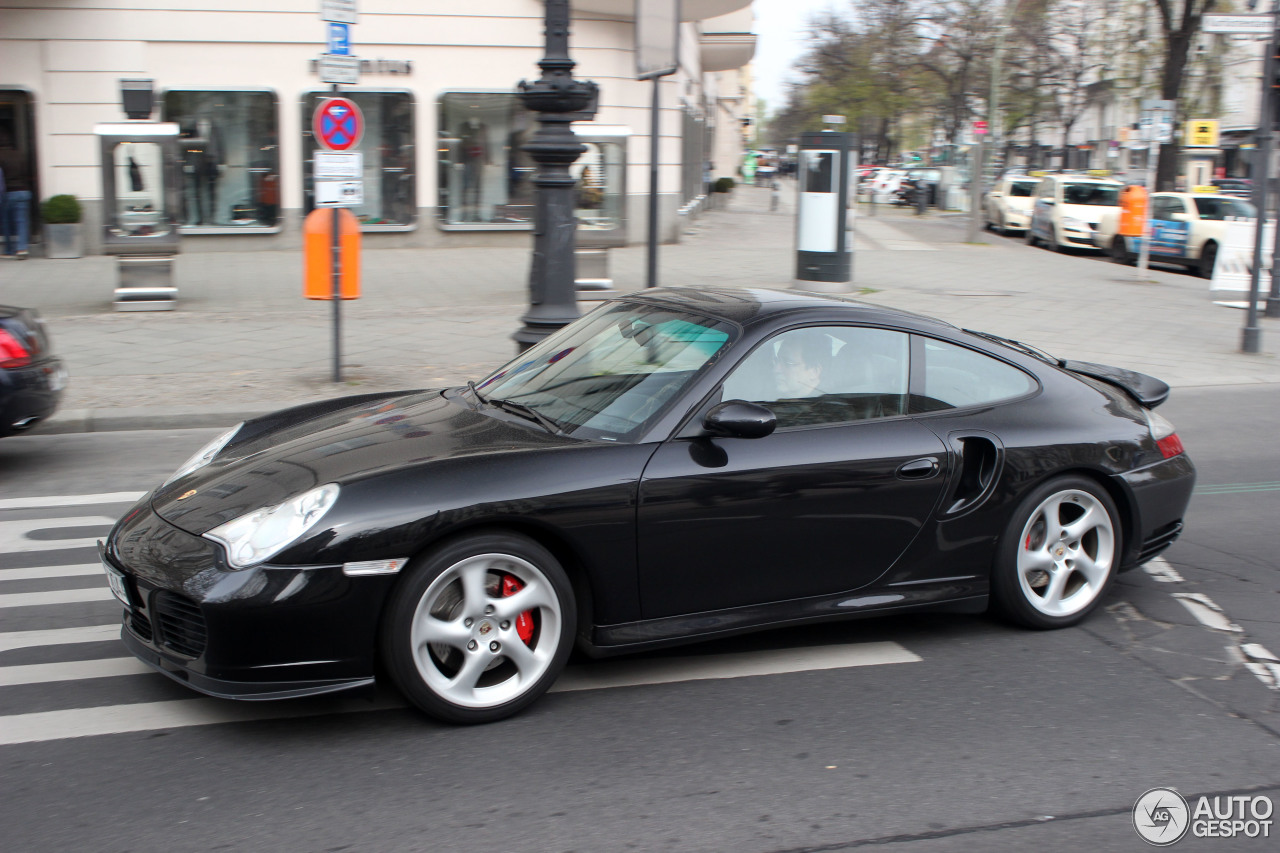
(752, 306)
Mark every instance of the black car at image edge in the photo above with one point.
(675, 465)
(32, 378)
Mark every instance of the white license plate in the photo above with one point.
(117, 584)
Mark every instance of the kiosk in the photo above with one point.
(824, 252)
(601, 205)
(141, 182)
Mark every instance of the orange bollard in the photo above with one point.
(1133, 210)
(317, 241)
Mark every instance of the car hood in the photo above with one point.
(341, 447)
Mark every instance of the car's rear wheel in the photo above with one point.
(1058, 555)
(1208, 256)
(480, 628)
(1119, 250)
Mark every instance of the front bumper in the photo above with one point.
(267, 632)
(1079, 239)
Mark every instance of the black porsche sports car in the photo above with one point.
(32, 378)
(674, 466)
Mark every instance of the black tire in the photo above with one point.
(1119, 251)
(1208, 257)
(467, 673)
(1058, 246)
(1031, 237)
(1039, 552)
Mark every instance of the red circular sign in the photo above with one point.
(338, 124)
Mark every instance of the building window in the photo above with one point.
(230, 158)
(388, 145)
(485, 179)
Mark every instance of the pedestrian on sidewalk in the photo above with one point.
(15, 200)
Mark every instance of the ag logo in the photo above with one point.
(1161, 816)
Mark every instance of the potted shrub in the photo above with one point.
(724, 185)
(63, 237)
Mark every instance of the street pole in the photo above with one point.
(655, 118)
(558, 100)
(1251, 335)
(335, 249)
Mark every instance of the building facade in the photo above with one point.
(443, 128)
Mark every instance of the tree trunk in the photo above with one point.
(1170, 85)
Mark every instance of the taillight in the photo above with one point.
(12, 352)
(1164, 434)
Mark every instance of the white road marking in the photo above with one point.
(58, 637)
(48, 673)
(59, 596)
(741, 665)
(148, 716)
(1160, 570)
(15, 536)
(1206, 612)
(45, 572)
(71, 500)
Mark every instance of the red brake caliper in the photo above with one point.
(524, 622)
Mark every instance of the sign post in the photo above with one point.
(657, 55)
(1157, 127)
(337, 126)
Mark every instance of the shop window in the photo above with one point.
(230, 157)
(600, 194)
(485, 179)
(140, 190)
(390, 179)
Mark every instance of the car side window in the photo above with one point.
(825, 375)
(1164, 208)
(955, 377)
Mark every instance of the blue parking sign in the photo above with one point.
(339, 39)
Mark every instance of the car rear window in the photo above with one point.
(1092, 194)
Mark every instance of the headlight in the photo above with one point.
(263, 533)
(205, 454)
(1074, 224)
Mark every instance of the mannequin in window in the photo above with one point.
(204, 151)
(474, 137)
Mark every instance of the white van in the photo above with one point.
(1067, 209)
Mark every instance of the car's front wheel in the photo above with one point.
(1058, 554)
(480, 628)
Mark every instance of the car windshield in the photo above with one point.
(1023, 189)
(1094, 194)
(1219, 209)
(612, 372)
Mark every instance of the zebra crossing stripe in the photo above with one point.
(58, 596)
(39, 573)
(58, 636)
(48, 673)
(147, 716)
(70, 500)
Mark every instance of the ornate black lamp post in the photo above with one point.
(559, 100)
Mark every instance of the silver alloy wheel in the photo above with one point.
(1066, 553)
(465, 633)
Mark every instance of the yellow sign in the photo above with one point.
(1202, 134)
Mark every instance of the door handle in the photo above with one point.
(918, 469)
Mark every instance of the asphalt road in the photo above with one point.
(967, 735)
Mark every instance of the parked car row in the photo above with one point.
(1069, 211)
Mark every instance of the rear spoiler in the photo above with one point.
(1147, 390)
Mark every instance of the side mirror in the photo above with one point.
(740, 419)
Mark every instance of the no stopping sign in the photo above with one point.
(337, 124)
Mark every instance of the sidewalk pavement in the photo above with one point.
(243, 340)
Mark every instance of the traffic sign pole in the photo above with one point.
(1251, 335)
